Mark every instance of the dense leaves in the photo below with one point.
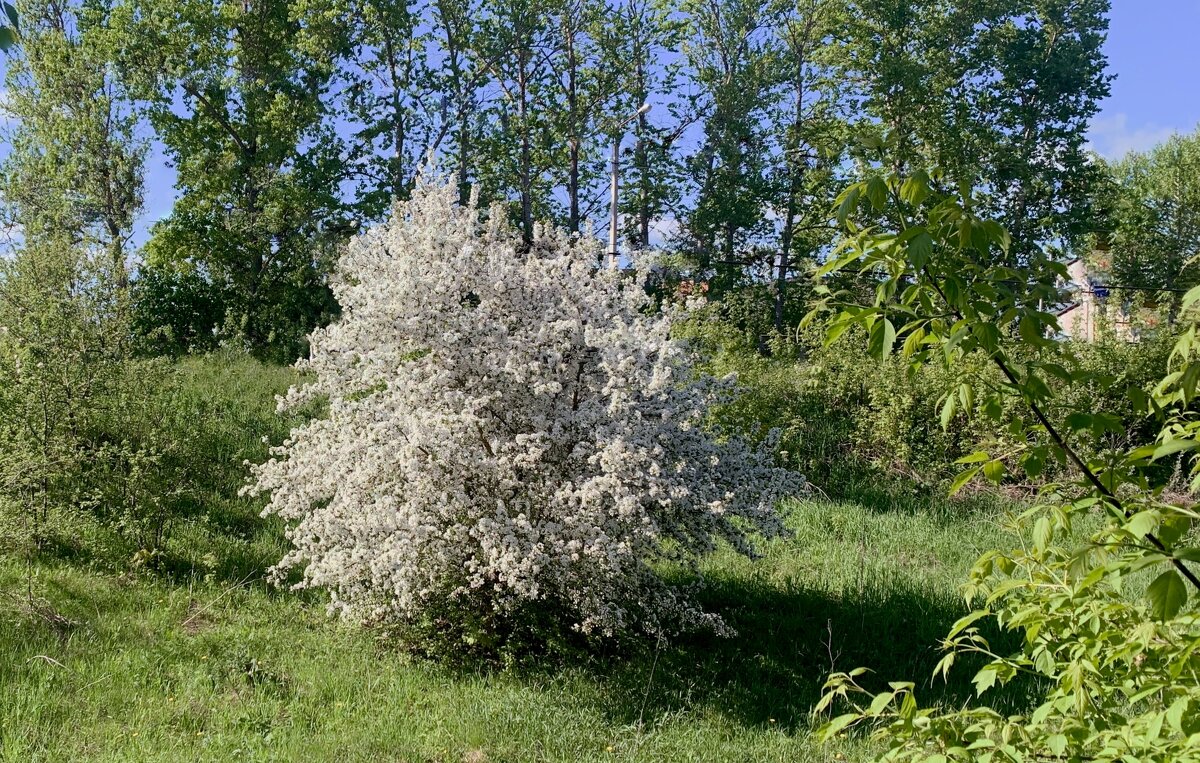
(1099, 579)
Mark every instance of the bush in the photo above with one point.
(847, 417)
(71, 398)
(512, 436)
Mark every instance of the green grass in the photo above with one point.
(195, 658)
(144, 667)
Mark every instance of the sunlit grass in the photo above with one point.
(195, 658)
(118, 667)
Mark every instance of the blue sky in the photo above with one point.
(1154, 50)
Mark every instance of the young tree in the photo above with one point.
(513, 440)
(460, 76)
(77, 431)
(1095, 587)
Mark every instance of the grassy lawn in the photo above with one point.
(192, 667)
(200, 660)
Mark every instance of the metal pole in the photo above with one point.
(613, 256)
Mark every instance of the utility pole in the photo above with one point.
(614, 258)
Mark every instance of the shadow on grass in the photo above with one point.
(196, 550)
(789, 639)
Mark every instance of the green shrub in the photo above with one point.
(848, 416)
(1098, 580)
(108, 450)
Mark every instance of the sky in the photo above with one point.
(1154, 49)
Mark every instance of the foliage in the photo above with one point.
(98, 443)
(509, 434)
(235, 93)
(847, 416)
(998, 93)
(1153, 218)
(1102, 613)
(78, 428)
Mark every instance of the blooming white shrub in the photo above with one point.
(506, 429)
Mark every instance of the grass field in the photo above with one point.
(138, 667)
(200, 660)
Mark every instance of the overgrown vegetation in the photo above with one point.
(210, 662)
(1103, 620)
(521, 475)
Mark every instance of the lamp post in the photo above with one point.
(613, 256)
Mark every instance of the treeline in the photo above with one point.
(291, 124)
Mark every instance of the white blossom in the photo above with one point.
(506, 428)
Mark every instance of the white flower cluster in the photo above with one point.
(506, 428)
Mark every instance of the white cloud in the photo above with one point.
(1112, 136)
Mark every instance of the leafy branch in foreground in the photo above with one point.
(1116, 672)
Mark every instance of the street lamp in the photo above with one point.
(613, 257)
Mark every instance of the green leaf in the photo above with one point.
(880, 702)
(1079, 421)
(1192, 295)
(920, 249)
(849, 201)
(947, 411)
(877, 193)
(1167, 595)
(994, 471)
(913, 341)
(1173, 528)
(8, 37)
(1057, 744)
(883, 338)
(915, 188)
(1031, 331)
(1042, 533)
(962, 479)
(831, 729)
(836, 329)
(985, 679)
(1173, 446)
(977, 457)
(1034, 463)
(1142, 523)
(1176, 712)
(1187, 554)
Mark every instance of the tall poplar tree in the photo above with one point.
(75, 169)
(514, 44)
(732, 61)
(810, 127)
(644, 46)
